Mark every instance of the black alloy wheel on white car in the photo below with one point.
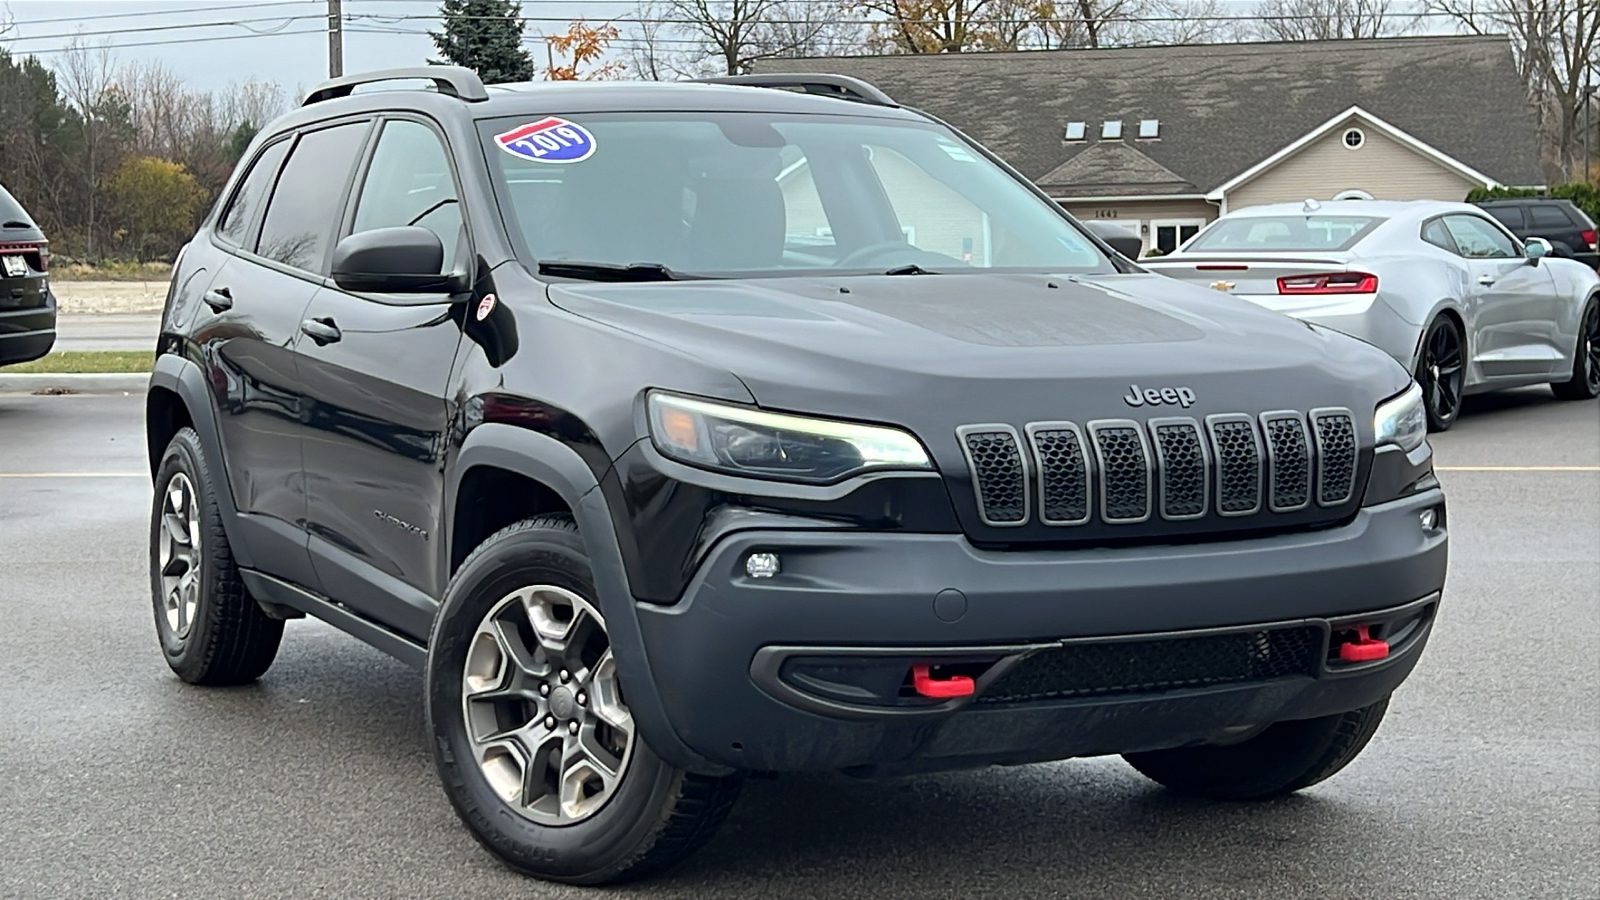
(533, 738)
(212, 632)
(1585, 381)
(1441, 372)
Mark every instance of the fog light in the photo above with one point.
(1429, 518)
(761, 565)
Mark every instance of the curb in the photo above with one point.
(75, 383)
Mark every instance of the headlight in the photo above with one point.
(1401, 420)
(752, 442)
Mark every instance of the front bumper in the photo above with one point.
(27, 333)
(719, 657)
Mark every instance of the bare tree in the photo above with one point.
(1557, 43)
(87, 75)
(732, 34)
(1329, 20)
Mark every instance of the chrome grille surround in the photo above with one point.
(1240, 458)
(999, 471)
(1183, 462)
(1123, 464)
(1338, 454)
(1290, 460)
(1066, 494)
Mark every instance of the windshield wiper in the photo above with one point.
(910, 269)
(590, 271)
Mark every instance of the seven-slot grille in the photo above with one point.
(1123, 472)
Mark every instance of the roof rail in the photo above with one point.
(452, 81)
(842, 87)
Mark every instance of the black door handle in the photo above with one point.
(219, 299)
(323, 331)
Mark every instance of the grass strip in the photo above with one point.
(86, 361)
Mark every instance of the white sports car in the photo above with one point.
(1443, 287)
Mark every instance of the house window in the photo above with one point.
(1149, 129)
(1111, 130)
(1077, 131)
(1167, 235)
(1353, 138)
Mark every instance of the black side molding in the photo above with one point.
(842, 87)
(451, 81)
(264, 587)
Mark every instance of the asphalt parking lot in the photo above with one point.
(116, 780)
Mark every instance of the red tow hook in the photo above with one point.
(1364, 648)
(940, 688)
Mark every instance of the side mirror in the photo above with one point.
(1119, 238)
(403, 260)
(1537, 248)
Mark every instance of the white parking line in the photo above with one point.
(74, 474)
(1516, 468)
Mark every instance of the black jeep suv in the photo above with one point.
(680, 431)
(1560, 222)
(27, 308)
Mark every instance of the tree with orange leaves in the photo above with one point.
(582, 45)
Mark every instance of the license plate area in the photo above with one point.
(15, 266)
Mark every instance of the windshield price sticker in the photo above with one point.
(550, 140)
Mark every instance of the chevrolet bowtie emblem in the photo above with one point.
(1223, 286)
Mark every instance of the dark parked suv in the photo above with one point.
(1560, 222)
(683, 431)
(27, 308)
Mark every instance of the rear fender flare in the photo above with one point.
(183, 377)
(548, 461)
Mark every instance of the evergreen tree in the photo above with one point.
(486, 37)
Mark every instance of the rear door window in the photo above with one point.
(1509, 216)
(409, 182)
(1548, 217)
(304, 212)
(1434, 233)
(234, 223)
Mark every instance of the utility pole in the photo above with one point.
(335, 40)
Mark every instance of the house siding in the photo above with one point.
(1381, 166)
(1140, 212)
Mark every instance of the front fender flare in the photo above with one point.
(557, 466)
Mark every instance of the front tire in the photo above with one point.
(1441, 372)
(212, 632)
(532, 736)
(1285, 758)
(1585, 381)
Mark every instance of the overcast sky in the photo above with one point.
(284, 41)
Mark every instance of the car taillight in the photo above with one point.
(1331, 283)
(1589, 238)
(37, 253)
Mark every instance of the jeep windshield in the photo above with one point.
(659, 195)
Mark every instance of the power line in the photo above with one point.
(175, 12)
(193, 40)
(242, 23)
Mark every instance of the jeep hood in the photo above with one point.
(929, 352)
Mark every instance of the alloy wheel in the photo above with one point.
(543, 707)
(1589, 347)
(1441, 373)
(179, 549)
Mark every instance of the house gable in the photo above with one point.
(1387, 164)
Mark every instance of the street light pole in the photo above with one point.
(335, 40)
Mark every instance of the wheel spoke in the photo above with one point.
(177, 528)
(540, 679)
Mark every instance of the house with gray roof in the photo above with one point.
(1165, 139)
